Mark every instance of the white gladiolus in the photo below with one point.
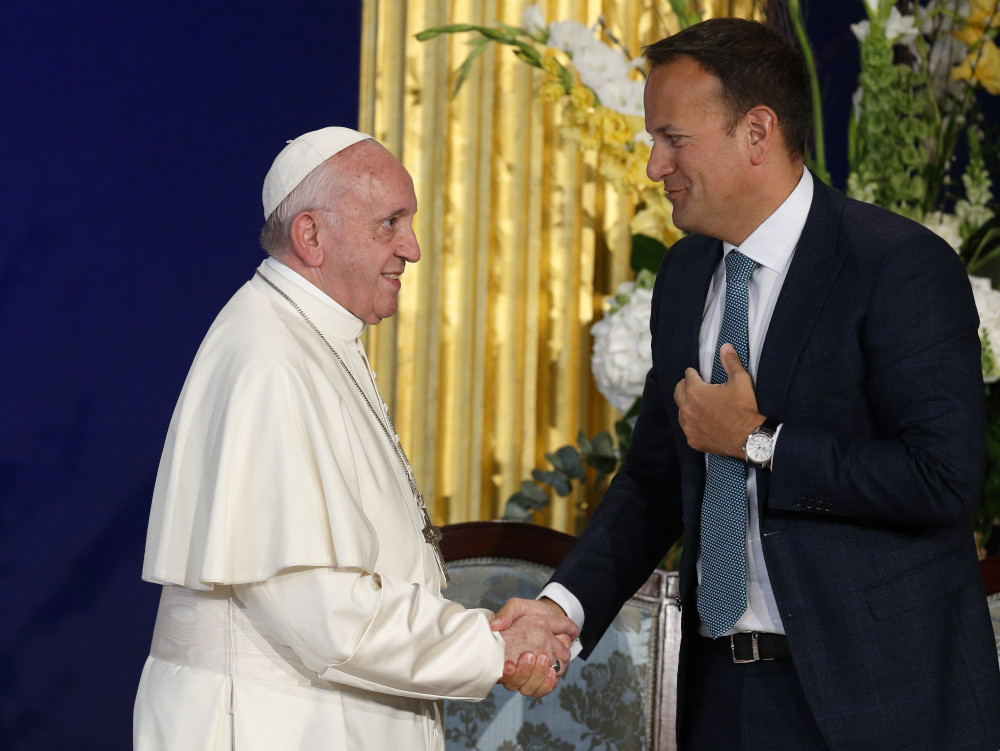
(599, 65)
(622, 356)
(569, 36)
(533, 21)
(622, 96)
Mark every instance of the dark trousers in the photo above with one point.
(751, 707)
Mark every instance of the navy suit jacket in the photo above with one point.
(872, 364)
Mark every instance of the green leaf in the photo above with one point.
(569, 462)
(518, 509)
(602, 456)
(478, 47)
(534, 494)
(647, 253)
(634, 410)
(603, 445)
(437, 31)
(558, 480)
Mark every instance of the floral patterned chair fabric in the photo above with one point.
(622, 698)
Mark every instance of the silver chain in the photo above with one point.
(431, 533)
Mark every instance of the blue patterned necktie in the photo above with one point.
(722, 595)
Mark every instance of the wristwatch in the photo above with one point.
(760, 444)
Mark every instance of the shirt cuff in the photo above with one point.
(774, 443)
(570, 605)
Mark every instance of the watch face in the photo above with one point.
(758, 448)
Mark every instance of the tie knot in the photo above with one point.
(739, 268)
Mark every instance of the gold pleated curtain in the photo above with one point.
(486, 366)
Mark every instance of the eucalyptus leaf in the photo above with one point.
(558, 481)
(569, 457)
(518, 509)
(534, 494)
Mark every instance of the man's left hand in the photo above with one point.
(717, 418)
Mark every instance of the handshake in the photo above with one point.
(537, 635)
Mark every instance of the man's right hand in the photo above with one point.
(535, 631)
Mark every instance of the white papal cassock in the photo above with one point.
(301, 606)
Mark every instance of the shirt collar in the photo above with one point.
(773, 242)
(279, 268)
(331, 317)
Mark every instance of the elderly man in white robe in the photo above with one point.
(301, 604)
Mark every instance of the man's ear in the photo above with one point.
(306, 243)
(762, 131)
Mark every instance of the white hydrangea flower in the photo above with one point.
(569, 36)
(988, 305)
(946, 226)
(622, 354)
(533, 21)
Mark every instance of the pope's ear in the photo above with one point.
(762, 131)
(305, 237)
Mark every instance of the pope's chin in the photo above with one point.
(386, 309)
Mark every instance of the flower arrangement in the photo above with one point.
(599, 87)
(622, 341)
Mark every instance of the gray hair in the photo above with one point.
(314, 193)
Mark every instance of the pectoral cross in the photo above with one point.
(432, 536)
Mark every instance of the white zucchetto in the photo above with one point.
(300, 157)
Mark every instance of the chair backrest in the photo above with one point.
(989, 567)
(622, 697)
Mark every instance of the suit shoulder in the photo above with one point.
(877, 229)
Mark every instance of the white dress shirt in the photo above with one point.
(771, 245)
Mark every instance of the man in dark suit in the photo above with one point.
(833, 601)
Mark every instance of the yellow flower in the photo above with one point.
(625, 169)
(636, 123)
(551, 66)
(655, 218)
(613, 126)
(980, 11)
(613, 164)
(577, 126)
(987, 72)
(551, 91)
(582, 96)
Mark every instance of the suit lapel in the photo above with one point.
(688, 305)
(683, 309)
(813, 270)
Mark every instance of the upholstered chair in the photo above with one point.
(623, 697)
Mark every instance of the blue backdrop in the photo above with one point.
(134, 138)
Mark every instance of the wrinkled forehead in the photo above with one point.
(370, 174)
